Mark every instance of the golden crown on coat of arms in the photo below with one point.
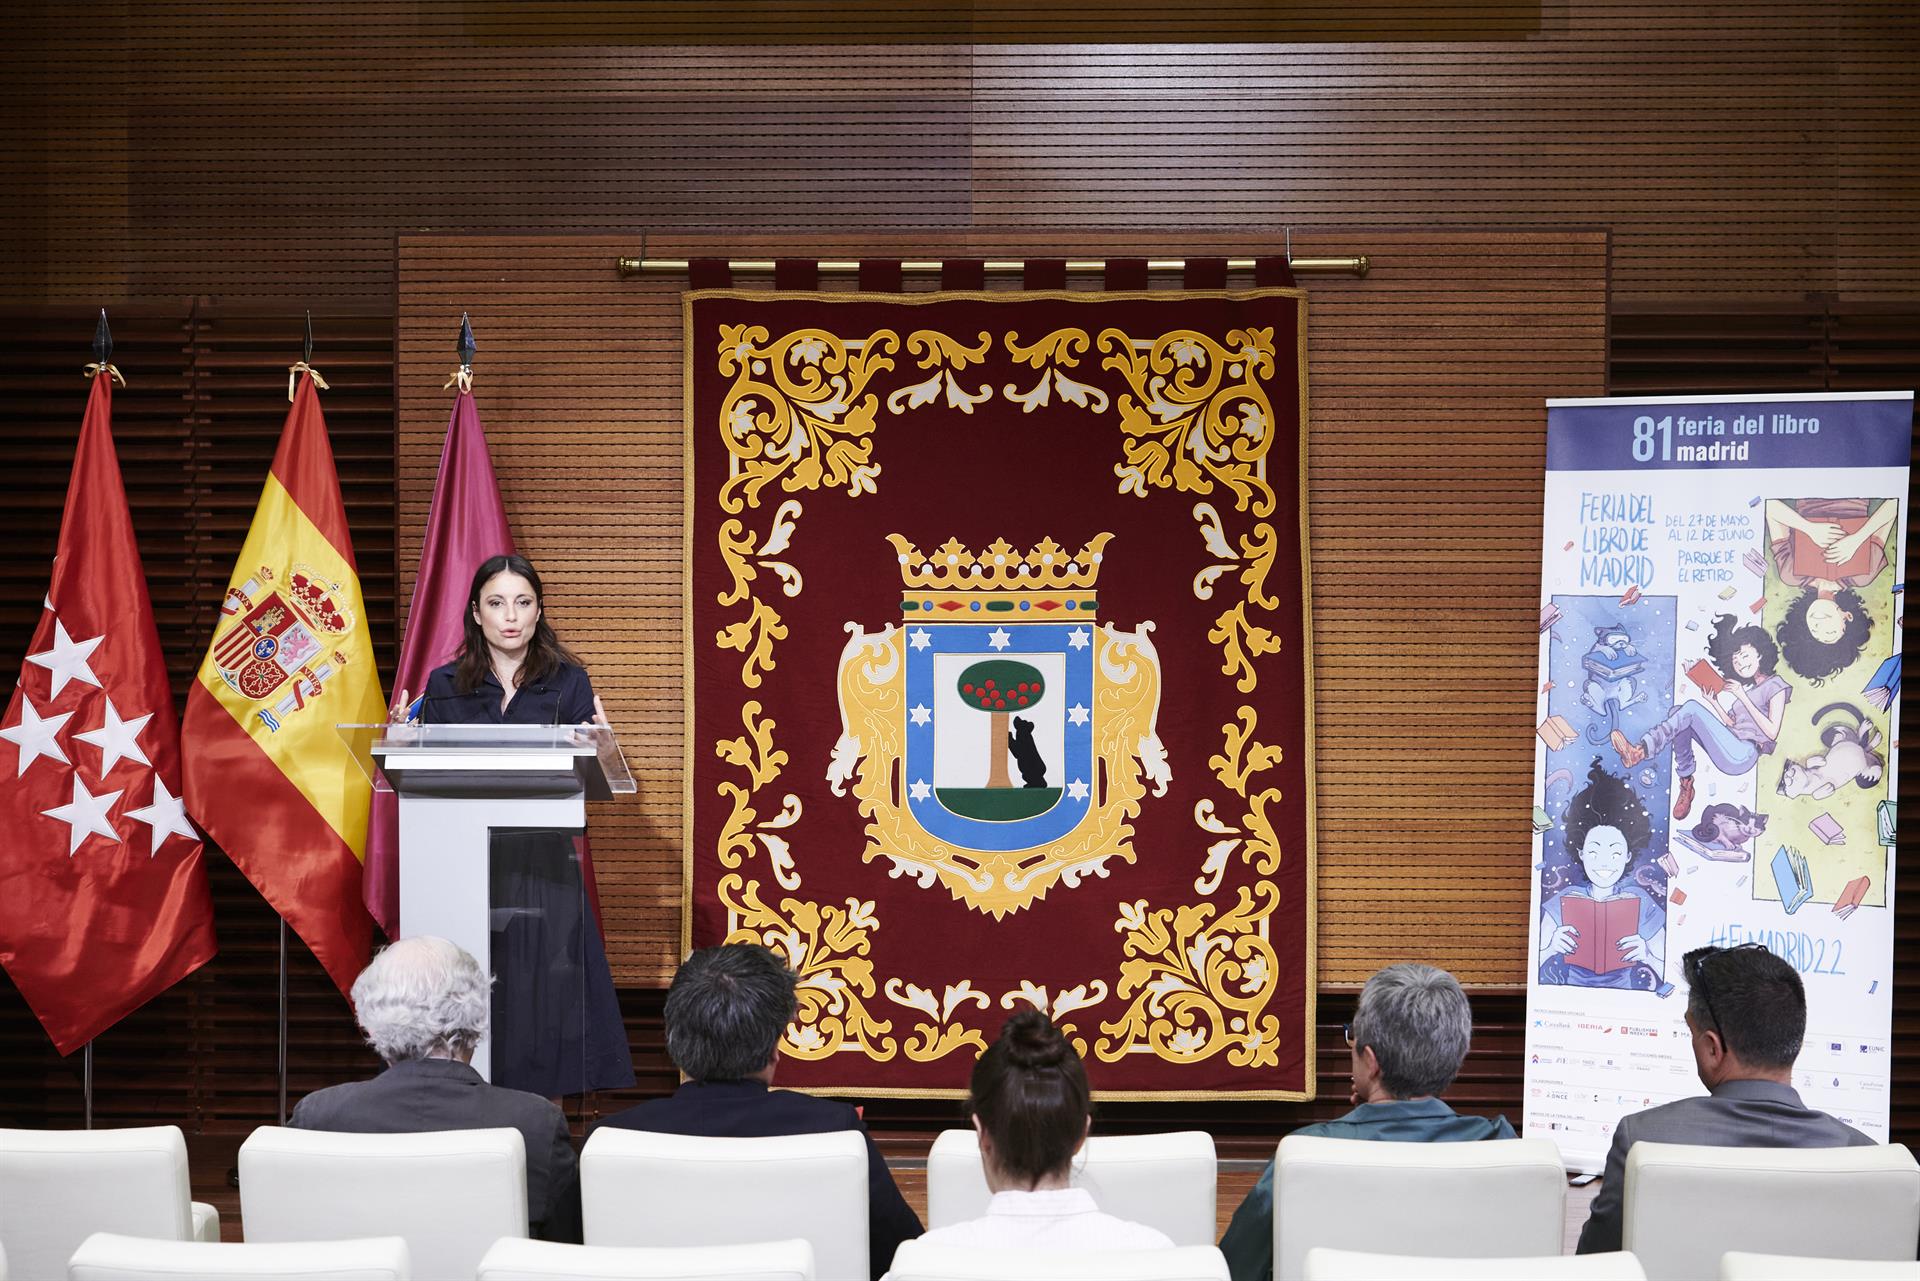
(1000, 578)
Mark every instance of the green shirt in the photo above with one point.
(1248, 1243)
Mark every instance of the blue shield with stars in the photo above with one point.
(999, 747)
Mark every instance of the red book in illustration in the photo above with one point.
(1601, 924)
(1703, 675)
(1810, 559)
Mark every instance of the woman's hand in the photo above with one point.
(1563, 940)
(600, 712)
(397, 714)
(1636, 949)
(1841, 550)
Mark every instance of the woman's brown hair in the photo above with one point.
(1029, 1094)
(545, 654)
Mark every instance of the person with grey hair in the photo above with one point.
(727, 1009)
(423, 1004)
(1408, 1038)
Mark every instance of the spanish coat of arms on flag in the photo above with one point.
(999, 673)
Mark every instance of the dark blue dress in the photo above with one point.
(556, 1020)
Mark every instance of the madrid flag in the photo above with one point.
(103, 891)
(268, 777)
(465, 525)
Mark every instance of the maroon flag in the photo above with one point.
(465, 525)
(103, 889)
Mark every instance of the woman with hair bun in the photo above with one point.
(1030, 1107)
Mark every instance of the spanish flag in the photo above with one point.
(267, 776)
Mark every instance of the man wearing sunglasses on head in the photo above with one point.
(1748, 1013)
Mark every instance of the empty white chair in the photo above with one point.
(107, 1257)
(638, 1188)
(545, 1261)
(1684, 1206)
(1165, 1181)
(449, 1193)
(925, 1261)
(1501, 1198)
(58, 1187)
(1738, 1265)
(1324, 1264)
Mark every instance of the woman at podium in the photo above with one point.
(556, 1021)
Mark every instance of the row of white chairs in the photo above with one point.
(451, 1195)
(106, 1257)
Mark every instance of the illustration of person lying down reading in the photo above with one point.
(1827, 547)
(1737, 724)
(1611, 931)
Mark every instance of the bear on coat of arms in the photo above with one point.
(1068, 702)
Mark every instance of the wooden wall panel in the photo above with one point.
(272, 149)
(1426, 381)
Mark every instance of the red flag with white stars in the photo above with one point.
(103, 888)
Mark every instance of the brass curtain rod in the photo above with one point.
(1356, 266)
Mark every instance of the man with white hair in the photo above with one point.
(1408, 1038)
(423, 1004)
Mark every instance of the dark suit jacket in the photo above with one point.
(1738, 1114)
(439, 1094)
(749, 1110)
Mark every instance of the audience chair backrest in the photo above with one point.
(638, 1188)
(58, 1187)
(449, 1193)
(1501, 1198)
(107, 1257)
(546, 1261)
(1166, 1181)
(1738, 1265)
(926, 1261)
(1687, 1205)
(1326, 1264)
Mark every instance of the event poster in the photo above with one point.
(1719, 679)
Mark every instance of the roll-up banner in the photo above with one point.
(1719, 684)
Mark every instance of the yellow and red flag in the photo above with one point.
(267, 776)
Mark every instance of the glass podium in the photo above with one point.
(491, 820)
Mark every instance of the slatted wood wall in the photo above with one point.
(270, 150)
(1426, 450)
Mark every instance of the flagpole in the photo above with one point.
(86, 1079)
(281, 1115)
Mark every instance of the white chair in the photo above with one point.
(1166, 1181)
(638, 1188)
(1685, 1205)
(1500, 1198)
(58, 1187)
(1324, 1264)
(921, 1261)
(449, 1193)
(1738, 1265)
(512, 1260)
(106, 1257)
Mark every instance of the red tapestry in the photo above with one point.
(1000, 683)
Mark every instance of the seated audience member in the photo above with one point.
(726, 1010)
(1747, 1012)
(1408, 1038)
(1029, 1103)
(423, 1003)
